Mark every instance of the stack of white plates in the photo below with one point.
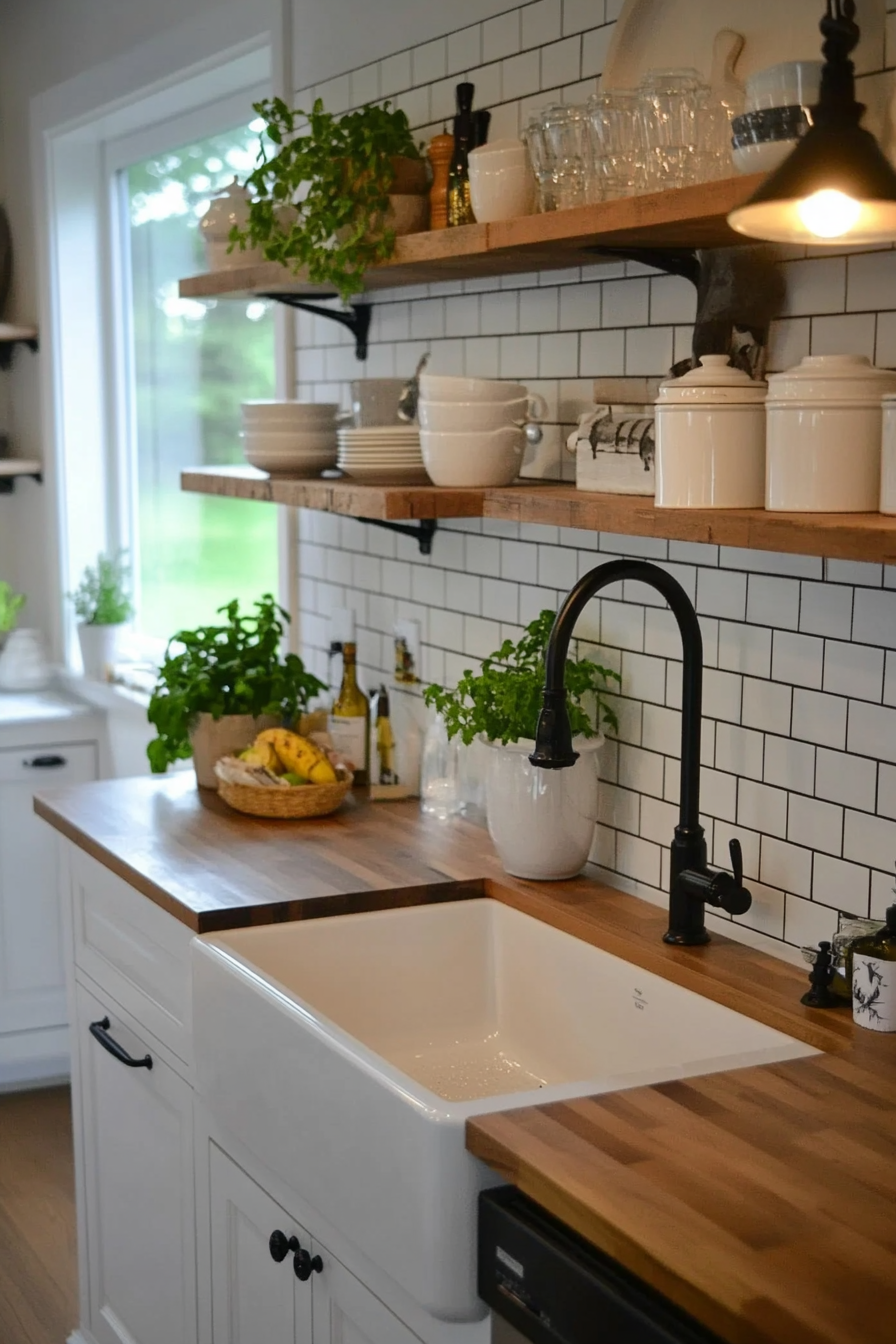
(389, 454)
(296, 438)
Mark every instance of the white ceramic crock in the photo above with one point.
(710, 439)
(541, 821)
(227, 210)
(888, 457)
(502, 185)
(824, 435)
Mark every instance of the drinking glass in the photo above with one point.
(565, 133)
(440, 782)
(540, 159)
(668, 110)
(616, 159)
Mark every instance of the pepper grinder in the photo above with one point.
(460, 211)
(440, 153)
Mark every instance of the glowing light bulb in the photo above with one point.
(829, 214)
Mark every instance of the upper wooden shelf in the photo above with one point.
(837, 536)
(689, 217)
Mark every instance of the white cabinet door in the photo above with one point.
(32, 976)
(136, 1130)
(345, 1312)
(255, 1298)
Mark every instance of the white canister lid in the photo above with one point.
(832, 378)
(714, 382)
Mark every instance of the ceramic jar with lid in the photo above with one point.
(226, 210)
(710, 439)
(888, 460)
(824, 435)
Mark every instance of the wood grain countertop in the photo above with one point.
(762, 1200)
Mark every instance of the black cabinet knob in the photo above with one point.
(280, 1245)
(305, 1265)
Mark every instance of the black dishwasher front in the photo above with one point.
(553, 1287)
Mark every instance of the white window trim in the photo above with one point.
(76, 130)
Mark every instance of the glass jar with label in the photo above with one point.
(874, 978)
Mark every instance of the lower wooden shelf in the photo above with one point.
(840, 536)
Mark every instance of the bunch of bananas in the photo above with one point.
(291, 757)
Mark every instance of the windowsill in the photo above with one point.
(106, 695)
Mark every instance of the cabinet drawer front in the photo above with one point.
(45, 767)
(135, 1131)
(134, 951)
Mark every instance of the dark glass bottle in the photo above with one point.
(460, 211)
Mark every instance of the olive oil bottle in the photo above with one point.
(349, 720)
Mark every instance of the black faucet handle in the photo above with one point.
(729, 892)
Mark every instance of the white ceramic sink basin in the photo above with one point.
(348, 1052)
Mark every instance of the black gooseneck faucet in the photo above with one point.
(692, 884)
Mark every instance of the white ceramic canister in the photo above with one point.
(824, 435)
(710, 439)
(229, 208)
(888, 457)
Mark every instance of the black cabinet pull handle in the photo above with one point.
(100, 1032)
(303, 1263)
(45, 763)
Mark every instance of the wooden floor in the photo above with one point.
(38, 1274)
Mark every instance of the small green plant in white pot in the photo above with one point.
(541, 821)
(10, 605)
(102, 605)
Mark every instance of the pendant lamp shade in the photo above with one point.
(837, 186)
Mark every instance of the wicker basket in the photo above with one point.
(309, 800)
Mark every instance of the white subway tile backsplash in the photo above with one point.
(800, 689)
(767, 706)
(817, 825)
(872, 730)
(874, 618)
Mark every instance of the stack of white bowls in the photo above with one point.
(472, 429)
(290, 438)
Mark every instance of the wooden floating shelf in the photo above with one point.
(838, 536)
(687, 218)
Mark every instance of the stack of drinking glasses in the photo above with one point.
(672, 131)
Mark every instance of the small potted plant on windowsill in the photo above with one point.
(338, 191)
(541, 821)
(221, 685)
(10, 605)
(103, 606)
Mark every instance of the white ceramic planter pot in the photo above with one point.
(888, 460)
(99, 649)
(213, 738)
(541, 821)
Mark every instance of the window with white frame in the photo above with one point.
(187, 365)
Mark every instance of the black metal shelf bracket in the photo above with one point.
(7, 348)
(356, 319)
(7, 483)
(423, 533)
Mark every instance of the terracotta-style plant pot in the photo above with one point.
(213, 738)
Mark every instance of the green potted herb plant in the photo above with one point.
(102, 605)
(10, 605)
(220, 685)
(541, 821)
(336, 192)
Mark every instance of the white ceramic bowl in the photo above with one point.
(294, 411)
(455, 417)
(473, 460)
(285, 464)
(762, 158)
(311, 440)
(790, 84)
(501, 182)
(442, 387)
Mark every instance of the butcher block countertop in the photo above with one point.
(762, 1200)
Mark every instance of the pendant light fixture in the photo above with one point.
(837, 186)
